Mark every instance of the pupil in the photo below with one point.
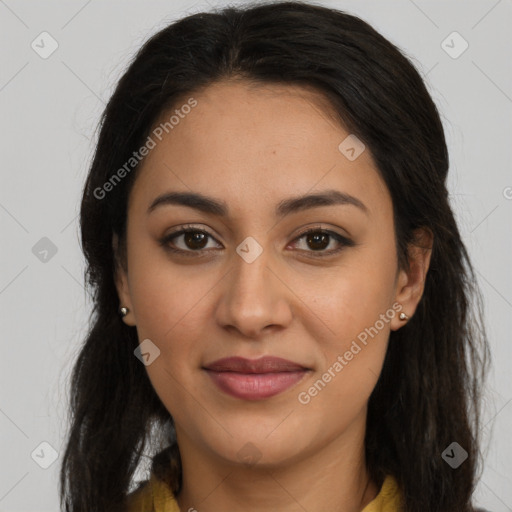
(192, 237)
(314, 239)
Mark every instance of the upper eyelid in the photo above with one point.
(187, 227)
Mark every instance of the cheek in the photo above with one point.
(170, 311)
(352, 353)
(356, 306)
(352, 296)
(166, 297)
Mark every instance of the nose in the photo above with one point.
(254, 300)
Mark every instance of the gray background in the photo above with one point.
(50, 108)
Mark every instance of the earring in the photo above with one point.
(403, 316)
(123, 311)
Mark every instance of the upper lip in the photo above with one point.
(265, 364)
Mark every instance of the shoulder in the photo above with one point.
(141, 499)
(389, 498)
(152, 495)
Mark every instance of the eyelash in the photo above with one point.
(345, 242)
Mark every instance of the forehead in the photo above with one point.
(253, 144)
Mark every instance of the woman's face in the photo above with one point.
(255, 285)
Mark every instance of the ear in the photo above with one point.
(121, 281)
(410, 283)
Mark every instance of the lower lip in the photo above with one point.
(255, 386)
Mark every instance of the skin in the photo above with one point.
(251, 147)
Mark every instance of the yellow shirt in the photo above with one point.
(155, 496)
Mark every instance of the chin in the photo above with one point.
(261, 451)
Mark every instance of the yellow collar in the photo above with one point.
(156, 496)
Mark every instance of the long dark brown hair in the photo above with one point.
(429, 392)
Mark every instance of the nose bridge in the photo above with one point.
(251, 266)
(254, 297)
(251, 276)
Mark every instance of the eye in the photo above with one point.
(317, 240)
(194, 241)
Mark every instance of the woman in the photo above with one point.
(282, 296)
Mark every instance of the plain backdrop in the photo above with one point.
(50, 106)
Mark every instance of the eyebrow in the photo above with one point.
(285, 207)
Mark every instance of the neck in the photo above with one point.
(333, 477)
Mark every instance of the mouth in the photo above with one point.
(255, 379)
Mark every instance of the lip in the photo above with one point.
(255, 379)
(265, 364)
